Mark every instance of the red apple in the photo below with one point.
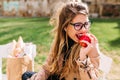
(86, 38)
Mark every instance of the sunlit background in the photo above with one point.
(30, 19)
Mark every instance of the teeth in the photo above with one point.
(79, 35)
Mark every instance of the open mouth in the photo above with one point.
(79, 35)
(83, 37)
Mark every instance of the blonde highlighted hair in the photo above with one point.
(65, 51)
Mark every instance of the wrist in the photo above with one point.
(82, 57)
(93, 54)
(95, 61)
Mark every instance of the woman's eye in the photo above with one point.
(77, 25)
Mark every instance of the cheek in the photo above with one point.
(72, 34)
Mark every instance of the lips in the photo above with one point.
(83, 37)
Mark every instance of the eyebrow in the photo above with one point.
(81, 22)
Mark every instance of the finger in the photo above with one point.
(94, 37)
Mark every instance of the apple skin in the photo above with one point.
(86, 38)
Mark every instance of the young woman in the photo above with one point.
(68, 60)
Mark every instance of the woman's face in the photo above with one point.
(79, 25)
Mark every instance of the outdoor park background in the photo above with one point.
(38, 31)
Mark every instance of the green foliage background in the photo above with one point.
(38, 31)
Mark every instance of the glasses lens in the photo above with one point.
(78, 26)
(87, 25)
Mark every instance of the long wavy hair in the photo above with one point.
(64, 50)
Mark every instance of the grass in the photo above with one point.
(38, 31)
(35, 30)
(107, 32)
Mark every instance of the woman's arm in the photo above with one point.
(91, 51)
(44, 72)
(41, 75)
(89, 59)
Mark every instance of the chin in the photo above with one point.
(76, 41)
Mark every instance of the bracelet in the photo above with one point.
(81, 63)
(84, 64)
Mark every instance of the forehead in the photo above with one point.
(80, 18)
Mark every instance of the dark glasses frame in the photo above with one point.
(78, 26)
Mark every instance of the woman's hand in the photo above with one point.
(94, 51)
(91, 50)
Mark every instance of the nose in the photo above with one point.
(83, 30)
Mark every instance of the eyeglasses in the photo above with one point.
(79, 25)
